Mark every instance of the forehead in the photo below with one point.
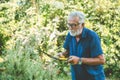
(73, 20)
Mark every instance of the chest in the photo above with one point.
(80, 47)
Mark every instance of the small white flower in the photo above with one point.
(52, 36)
(58, 5)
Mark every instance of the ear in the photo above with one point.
(83, 24)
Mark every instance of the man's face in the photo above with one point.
(75, 28)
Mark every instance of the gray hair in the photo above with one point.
(77, 14)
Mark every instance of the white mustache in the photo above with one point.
(75, 33)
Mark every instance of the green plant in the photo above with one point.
(41, 25)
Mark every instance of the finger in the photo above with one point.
(70, 57)
(60, 55)
(70, 60)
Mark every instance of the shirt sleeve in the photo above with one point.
(67, 41)
(95, 46)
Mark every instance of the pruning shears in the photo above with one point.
(60, 59)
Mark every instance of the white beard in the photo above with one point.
(75, 33)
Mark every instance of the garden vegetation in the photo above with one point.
(28, 28)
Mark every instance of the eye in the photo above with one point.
(71, 25)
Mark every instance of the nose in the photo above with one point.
(70, 27)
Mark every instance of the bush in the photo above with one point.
(30, 21)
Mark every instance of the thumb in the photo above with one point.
(60, 55)
(70, 59)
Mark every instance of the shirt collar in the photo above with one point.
(84, 32)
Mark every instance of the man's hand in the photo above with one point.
(73, 59)
(60, 55)
(63, 54)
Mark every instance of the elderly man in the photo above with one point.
(84, 49)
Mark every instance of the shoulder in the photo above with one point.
(91, 34)
(68, 37)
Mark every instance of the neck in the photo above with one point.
(78, 36)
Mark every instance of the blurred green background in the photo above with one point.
(29, 27)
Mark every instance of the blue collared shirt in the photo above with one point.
(89, 46)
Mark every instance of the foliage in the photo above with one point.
(23, 61)
(28, 27)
